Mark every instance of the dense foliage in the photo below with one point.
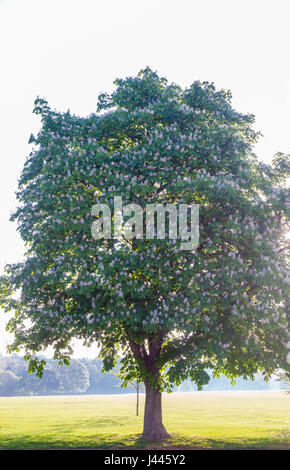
(173, 314)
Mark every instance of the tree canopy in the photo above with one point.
(172, 314)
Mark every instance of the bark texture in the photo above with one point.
(153, 426)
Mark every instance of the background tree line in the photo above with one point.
(84, 376)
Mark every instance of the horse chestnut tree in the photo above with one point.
(168, 313)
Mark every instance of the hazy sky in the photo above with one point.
(69, 51)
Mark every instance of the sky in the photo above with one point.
(69, 51)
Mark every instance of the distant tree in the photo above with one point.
(138, 387)
(94, 377)
(8, 382)
(14, 363)
(30, 384)
(73, 379)
(172, 313)
(132, 383)
(99, 382)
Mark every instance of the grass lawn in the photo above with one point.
(194, 420)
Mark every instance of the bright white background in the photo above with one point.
(69, 51)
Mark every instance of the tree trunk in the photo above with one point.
(153, 427)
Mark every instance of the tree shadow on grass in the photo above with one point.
(109, 441)
(179, 442)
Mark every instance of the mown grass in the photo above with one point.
(222, 420)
